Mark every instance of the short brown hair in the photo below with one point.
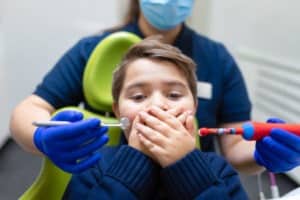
(153, 48)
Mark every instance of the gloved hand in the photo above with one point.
(72, 147)
(278, 152)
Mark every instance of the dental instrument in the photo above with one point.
(123, 123)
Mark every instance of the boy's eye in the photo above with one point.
(138, 97)
(174, 95)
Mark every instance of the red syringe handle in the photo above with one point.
(258, 130)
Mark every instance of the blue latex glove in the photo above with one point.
(278, 152)
(72, 147)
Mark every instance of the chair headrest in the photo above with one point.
(97, 77)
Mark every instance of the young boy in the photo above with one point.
(155, 87)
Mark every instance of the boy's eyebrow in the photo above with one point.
(136, 85)
(175, 83)
(168, 83)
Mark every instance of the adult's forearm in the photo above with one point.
(242, 159)
(31, 109)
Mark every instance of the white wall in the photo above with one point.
(3, 134)
(36, 33)
(262, 34)
(264, 37)
(270, 26)
(201, 16)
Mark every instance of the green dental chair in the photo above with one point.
(52, 181)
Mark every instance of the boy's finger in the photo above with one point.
(170, 120)
(156, 124)
(177, 111)
(152, 135)
(190, 125)
(183, 117)
(152, 147)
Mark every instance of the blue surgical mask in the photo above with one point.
(166, 14)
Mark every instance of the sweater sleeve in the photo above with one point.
(202, 176)
(130, 175)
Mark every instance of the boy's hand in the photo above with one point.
(134, 141)
(182, 117)
(165, 136)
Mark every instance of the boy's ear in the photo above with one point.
(115, 108)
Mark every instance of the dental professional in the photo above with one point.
(222, 95)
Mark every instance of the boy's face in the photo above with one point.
(153, 83)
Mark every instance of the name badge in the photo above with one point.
(204, 90)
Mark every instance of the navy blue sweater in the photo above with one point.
(125, 173)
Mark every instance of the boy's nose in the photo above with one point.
(159, 101)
